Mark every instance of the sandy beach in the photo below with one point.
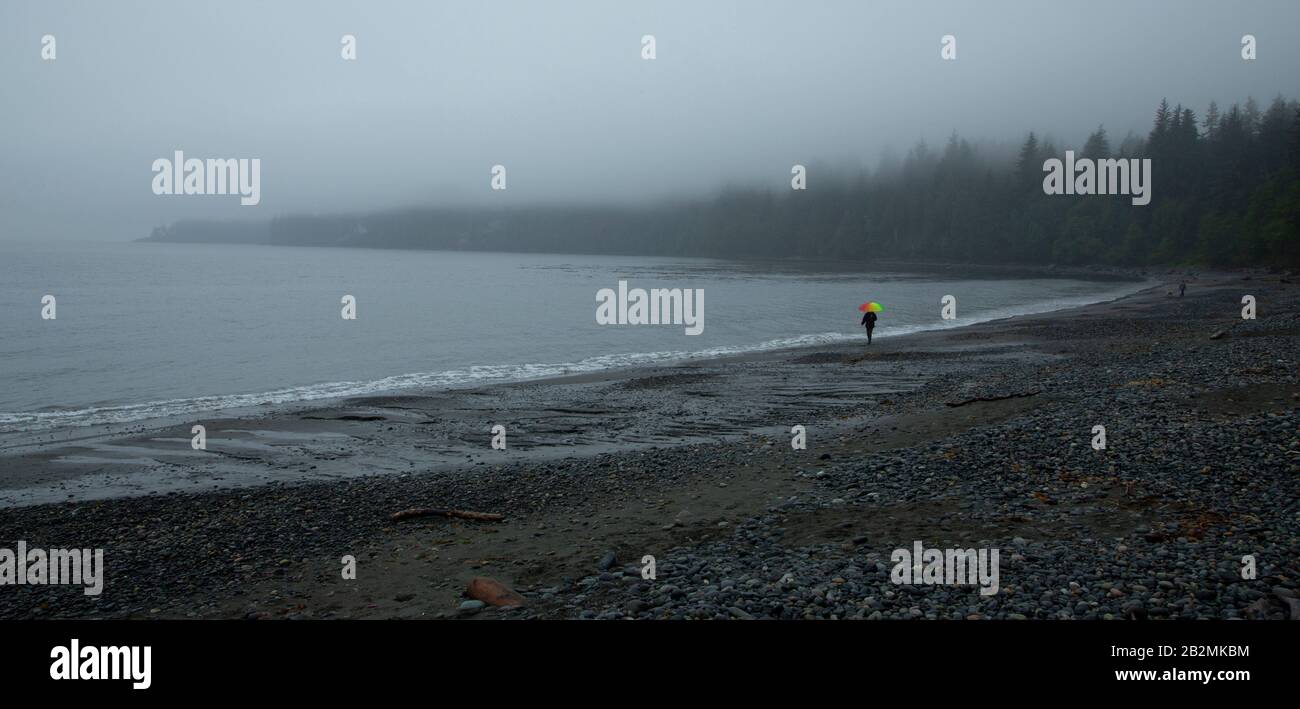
(969, 437)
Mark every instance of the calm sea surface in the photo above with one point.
(146, 330)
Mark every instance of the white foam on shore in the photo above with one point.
(40, 421)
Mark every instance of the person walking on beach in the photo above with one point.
(1182, 288)
(869, 322)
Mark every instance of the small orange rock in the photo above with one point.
(493, 592)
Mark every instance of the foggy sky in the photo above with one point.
(557, 92)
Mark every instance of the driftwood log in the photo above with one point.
(459, 514)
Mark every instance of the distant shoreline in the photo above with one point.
(1083, 272)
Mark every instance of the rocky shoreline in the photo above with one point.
(976, 437)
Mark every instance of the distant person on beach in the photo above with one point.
(1182, 288)
(869, 322)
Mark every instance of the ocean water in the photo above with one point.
(150, 330)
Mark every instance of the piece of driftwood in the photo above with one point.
(1016, 395)
(459, 514)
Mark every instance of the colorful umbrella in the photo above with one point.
(873, 307)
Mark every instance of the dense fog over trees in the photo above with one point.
(1225, 191)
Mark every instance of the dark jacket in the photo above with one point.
(869, 320)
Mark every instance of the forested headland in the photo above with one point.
(1225, 192)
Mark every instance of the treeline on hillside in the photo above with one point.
(1225, 192)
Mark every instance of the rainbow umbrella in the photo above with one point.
(872, 307)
